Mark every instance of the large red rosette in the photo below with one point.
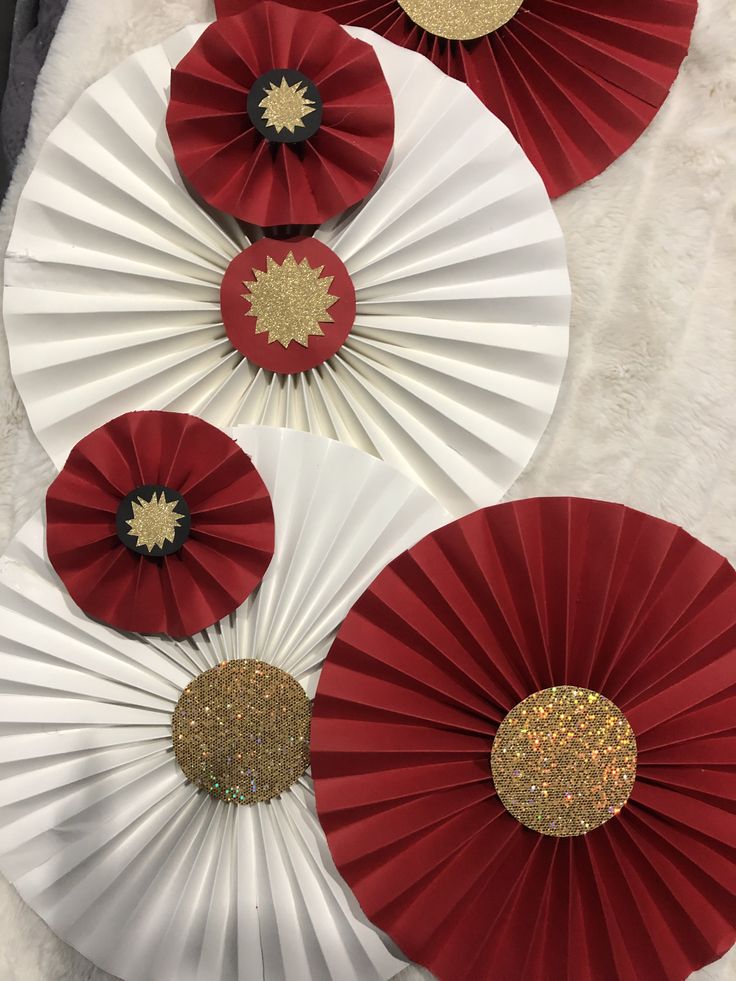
(218, 552)
(454, 634)
(237, 169)
(576, 82)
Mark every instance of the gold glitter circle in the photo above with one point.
(564, 761)
(241, 731)
(460, 20)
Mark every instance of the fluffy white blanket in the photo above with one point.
(647, 414)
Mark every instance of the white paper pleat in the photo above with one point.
(99, 830)
(454, 363)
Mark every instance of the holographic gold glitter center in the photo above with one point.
(564, 761)
(154, 522)
(460, 20)
(241, 731)
(284, 105)
(290, 301)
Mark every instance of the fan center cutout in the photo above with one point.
(460, 20)
(285, 106)
(153, 520)
(287, 306)
(564, 761)
(241, 731)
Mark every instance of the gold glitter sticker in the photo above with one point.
(564, 761)
(286, 105)
(154, 522)
(460, 20)
(290, 301)
(241, 731)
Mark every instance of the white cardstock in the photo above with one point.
(100, 832)
(455, 360)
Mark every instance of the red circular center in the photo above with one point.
(287, 306)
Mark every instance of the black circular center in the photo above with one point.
(285, 106)
(153, 520)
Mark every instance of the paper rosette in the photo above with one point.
(480, 615)
(200, 534)
(244, 172)
(576, 82)
(453, 365)
(99, 830)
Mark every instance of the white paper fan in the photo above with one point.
(455, 360)
(99, 830)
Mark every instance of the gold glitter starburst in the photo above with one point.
(154, 522)
(241, 731)
(564, 761)
(284, 105)
(460, 20)
(290, 301)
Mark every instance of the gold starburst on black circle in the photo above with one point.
(154, 522)
(285, 106)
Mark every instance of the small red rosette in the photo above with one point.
(280, 117)
(576, 82)
(159, 523)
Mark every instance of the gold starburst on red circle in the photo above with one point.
(290, 301)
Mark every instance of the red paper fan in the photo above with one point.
(576, 82)
(280, 117)
(159, 523)
(453, 635)
(288, 306)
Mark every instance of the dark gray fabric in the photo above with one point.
(34, 26)
(7, 15)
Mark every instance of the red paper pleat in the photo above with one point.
(225, 159)
(576, 81)
(224, 558)
(446, 641)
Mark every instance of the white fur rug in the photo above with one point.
(647, 414)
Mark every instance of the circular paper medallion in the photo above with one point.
(460, 20)
(153, 520)
(241, 731)
(564, 761)
(287, 306)
(285, 106)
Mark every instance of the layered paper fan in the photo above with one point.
(159, 523)
(280, 117)
(100, 832)
(535, 604)
(453, 364)
(576, 82)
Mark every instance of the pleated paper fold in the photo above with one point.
(99, 830)
(576, 81)
(453, 366)
(230, 163)
(453, 635)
